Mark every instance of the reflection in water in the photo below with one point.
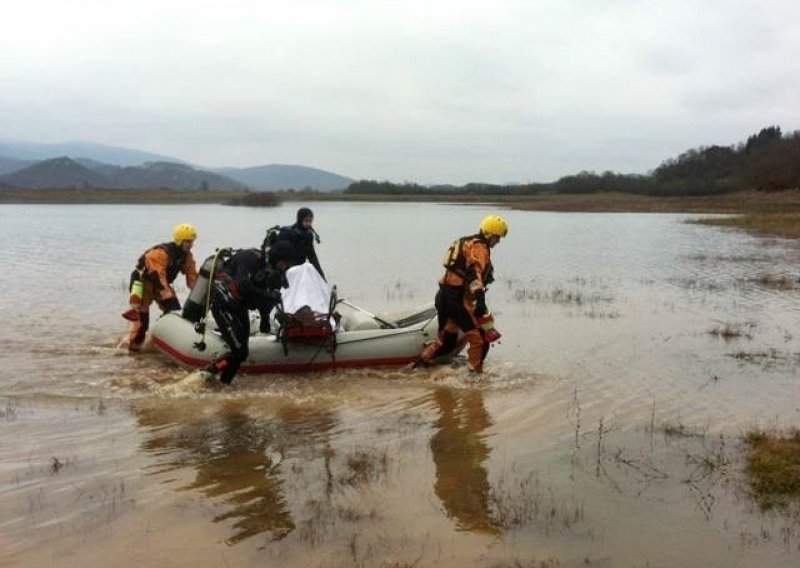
(236, 456)
(459, 452)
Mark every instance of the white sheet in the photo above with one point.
(306, 288)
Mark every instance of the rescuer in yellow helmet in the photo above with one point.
(152, 278)
(461, 299)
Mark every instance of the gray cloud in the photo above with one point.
(425, 91)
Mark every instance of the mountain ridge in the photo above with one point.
(64, 172)
(102, 159)
(115, 155)
(272, 177)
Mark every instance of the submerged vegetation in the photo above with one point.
(773, 466)
(780, 282)
(730, 331)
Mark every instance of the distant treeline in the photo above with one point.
(767, 161)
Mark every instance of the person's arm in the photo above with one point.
(253, 281)
(311, 254)
(269, 281)
(190, 270)
(264, 310)
(477, 258)
(245, 268)
(156, 261)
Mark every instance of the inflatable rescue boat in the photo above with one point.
(338, 334)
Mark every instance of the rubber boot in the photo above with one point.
(476, 350)
(427, 355)
(131, 315)
(134, 304)
(138, 332)
(219, 366)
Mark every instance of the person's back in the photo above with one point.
(302, 236)
(251, 277)
(249, 281)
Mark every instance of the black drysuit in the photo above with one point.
(302, 240)
(247, 282)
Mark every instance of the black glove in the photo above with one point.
(274, 295)
(170, 305)
(480, 304)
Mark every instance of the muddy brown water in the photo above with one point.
(606, 432)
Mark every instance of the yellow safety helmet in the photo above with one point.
(184, 232)
(494, 226)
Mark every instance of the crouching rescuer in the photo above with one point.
(461, 299)
(250, 280)
(152, 278)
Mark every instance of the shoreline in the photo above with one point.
(776, 214)
(739, 202)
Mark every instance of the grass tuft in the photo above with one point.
(773, 466)
(780, 282)
(763, 223)
(731, 331)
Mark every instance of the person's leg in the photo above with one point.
(135, 292)
(452, 317)
(438, 303)
(139, 327)
(241, 331)
(445, 342)
(476, 351)
(171, 305)
(234, 325)
(486, 345)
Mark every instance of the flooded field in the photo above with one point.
(607, 431)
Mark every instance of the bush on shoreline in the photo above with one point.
(256, 199)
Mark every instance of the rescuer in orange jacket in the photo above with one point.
(152, 278)
(461, 299)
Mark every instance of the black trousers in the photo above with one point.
(234, 325)
(449, 304)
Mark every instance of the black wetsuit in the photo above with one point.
(246, 283)
(303, 241)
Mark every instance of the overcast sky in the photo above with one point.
(414, 90)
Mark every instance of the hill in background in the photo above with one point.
(9, 165)
(56, 173)
(34, 151)
(281, 176)
(124, 167)
(65, 172)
